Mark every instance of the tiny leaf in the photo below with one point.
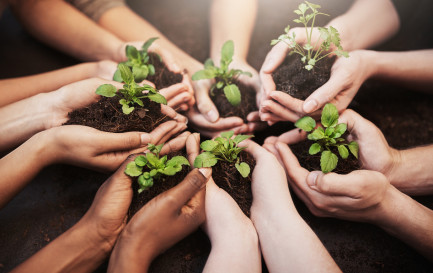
(178, 160)
(106, 90)
(314, 149)
(232, 94)
(306, 123)
(140, 161)
(133, 170)
(227, 52)
(239, 138)
(203, 74)
(354, 148)
(243, 169)
(342, 150)
(328, 161)
(209, 145)
(158, 98)
(148, 43)
(205, 159)
(329, 115)
(227, 134)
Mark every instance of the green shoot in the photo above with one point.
(223, 75)
(328, 137)
(152, 167)
(224, 148)
(307, 13)
(131, 93)
(139, 62)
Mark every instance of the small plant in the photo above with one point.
(138, 61)
(223, 76)
(329, 36)
(330, 137)
(155, 167)
(223, 148)
(131, 93)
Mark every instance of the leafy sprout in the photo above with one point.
(152, 167)
(328, 36)
(223, 148)
(139, 62)
(223, 75)
(131, 93)
(327, 138)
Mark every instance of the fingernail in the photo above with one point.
(212, 115)
(206, 172)
(310, 105)
(312, 179)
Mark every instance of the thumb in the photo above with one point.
(204, 104)
(111, 142)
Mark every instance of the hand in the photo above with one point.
(358, 196)
(87, 147)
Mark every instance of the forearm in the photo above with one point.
(412, 172)
(16, 89)
(411, 68)
(73, 251)
(232, 20)
(409, 221)
(366, 24)
(64, 27)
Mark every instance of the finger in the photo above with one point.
(256, 126)
(280, 111)
(179, 100)
(293, 136)
(111, 142)
(205, 105)
(253, 116)
(271, 140)
(148, 83)
(193, 147)
(173, 90)
(271, 148)
(159, 132)
(222, 124)
(268, 84)
(175, 144)
(275, 57)
(294, 171)
(193, 183)
(179, 128)
(270, 118)
(291, 103)
(120, 172)
(253, 148)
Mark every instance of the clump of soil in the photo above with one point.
(292, 78)
(106, 115)
(163, 77)
(227, 177)
(159, 186)
(312, 162)
(247, 105)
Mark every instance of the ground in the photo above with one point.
(60, 195)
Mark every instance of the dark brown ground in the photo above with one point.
(163, 77)
(227, 177)
(59, 196)
(248, 102)
(292, 78)
(106, 115)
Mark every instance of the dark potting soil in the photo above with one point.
(163, 77)
(247, 105)
(312, 162)
(227, 177)
(292, 78)
(106, 115)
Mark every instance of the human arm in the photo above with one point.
(280, 228)
(364, 196)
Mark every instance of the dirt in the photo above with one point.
(247, 105)
(292, 78)
(106, 115)
(163, 77)
(227, 177)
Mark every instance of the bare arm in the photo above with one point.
(60, 25)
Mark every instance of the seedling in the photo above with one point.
(152, 167)
(223, 148)
(139, 62)
(131, 93)
(224, 77)
(328, 36)
(328, 138)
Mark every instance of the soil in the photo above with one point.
(247, 105)
(106, 115)
(292, 78)
(227, 177)
(163, 77)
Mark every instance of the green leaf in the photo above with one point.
(329, 131)
(151, 69)
(153, 172)
(208, 145)
(138, 101)
(227, 134)
(306, 123)
(106, 90)
(314, 149)
(117, 77)
(303, 7)
(344, 153)
(328, 161)
(232, 94)
(140, 73)
(156, 149)
(140, 160)
(340, 129)
(246, 73)
(329, 115)
(126, 109)
(243, 169)
(126, 74)
(309, 67)
(354, 148)
(153, 159)
(158, 98)
(131, 52)
(203, 74)
(178, 160)
(205, 159)
(227, 52)
(239, 138)
(209, 63)
(171, 170)
(219, 85)
(133, 170)
(148, 43)
(317, 134)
